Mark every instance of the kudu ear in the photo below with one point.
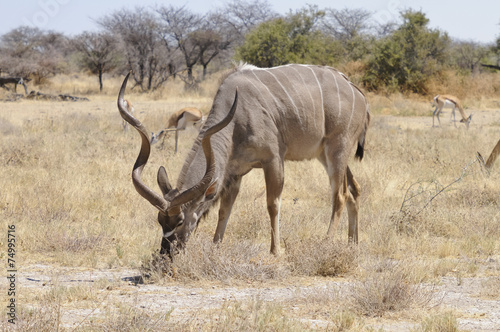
(163, 182)
(211, 191)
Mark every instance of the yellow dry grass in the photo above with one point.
(66, 187)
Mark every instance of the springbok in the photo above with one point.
(180, 120)
(292, 112)
(442, 101)
(130, 109)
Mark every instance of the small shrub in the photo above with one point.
(388, 290)
(343, 321)
(321, 257)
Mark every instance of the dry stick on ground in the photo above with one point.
(407, 199)
(93, 310)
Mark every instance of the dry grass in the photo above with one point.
(231, 260)
(389, 287)
(443, 322)
(66, 186)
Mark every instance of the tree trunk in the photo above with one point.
(100, 80)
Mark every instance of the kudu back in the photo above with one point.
(261, 117)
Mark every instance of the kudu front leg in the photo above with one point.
(226, 206)
(274, 175)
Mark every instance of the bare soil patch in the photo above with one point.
(476, 310)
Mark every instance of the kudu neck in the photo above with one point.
(195, 164)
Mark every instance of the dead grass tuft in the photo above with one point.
(132, 318)
(441, 322)
(201, 259)
(254, 315)
(389, 288)
(321, 257)
(42, 318)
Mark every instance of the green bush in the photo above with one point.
(408, 58)
(293, 39)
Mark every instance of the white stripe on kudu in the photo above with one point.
(286, 92)
(310, 94)
(259, 119)
(321, 93)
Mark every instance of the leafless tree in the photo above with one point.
(468, 54)
(30, 52)
(352, 28)
(347, 23)
(214, 37)
(143, 49)
(179, 26)
(98, 52)
(243, 15)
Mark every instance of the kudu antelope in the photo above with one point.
(442, 101)
(292, 112)
(180, 120)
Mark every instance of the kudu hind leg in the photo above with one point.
(353, 198)
(339, 188)
(274, 175)
(338, 184)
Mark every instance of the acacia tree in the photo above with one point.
(97, 52)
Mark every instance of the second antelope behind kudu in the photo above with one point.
(261, 117)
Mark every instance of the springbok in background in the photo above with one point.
(130, 108)
(442, 101)
(292, 112)
(180, 120)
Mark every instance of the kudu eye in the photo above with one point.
(181, 220)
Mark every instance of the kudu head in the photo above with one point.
(179, 211)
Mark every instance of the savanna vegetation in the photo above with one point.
(429, 212)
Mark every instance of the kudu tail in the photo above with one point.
(360, 151)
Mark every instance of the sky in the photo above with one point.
(465, 20)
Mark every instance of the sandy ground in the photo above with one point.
(465, 296)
